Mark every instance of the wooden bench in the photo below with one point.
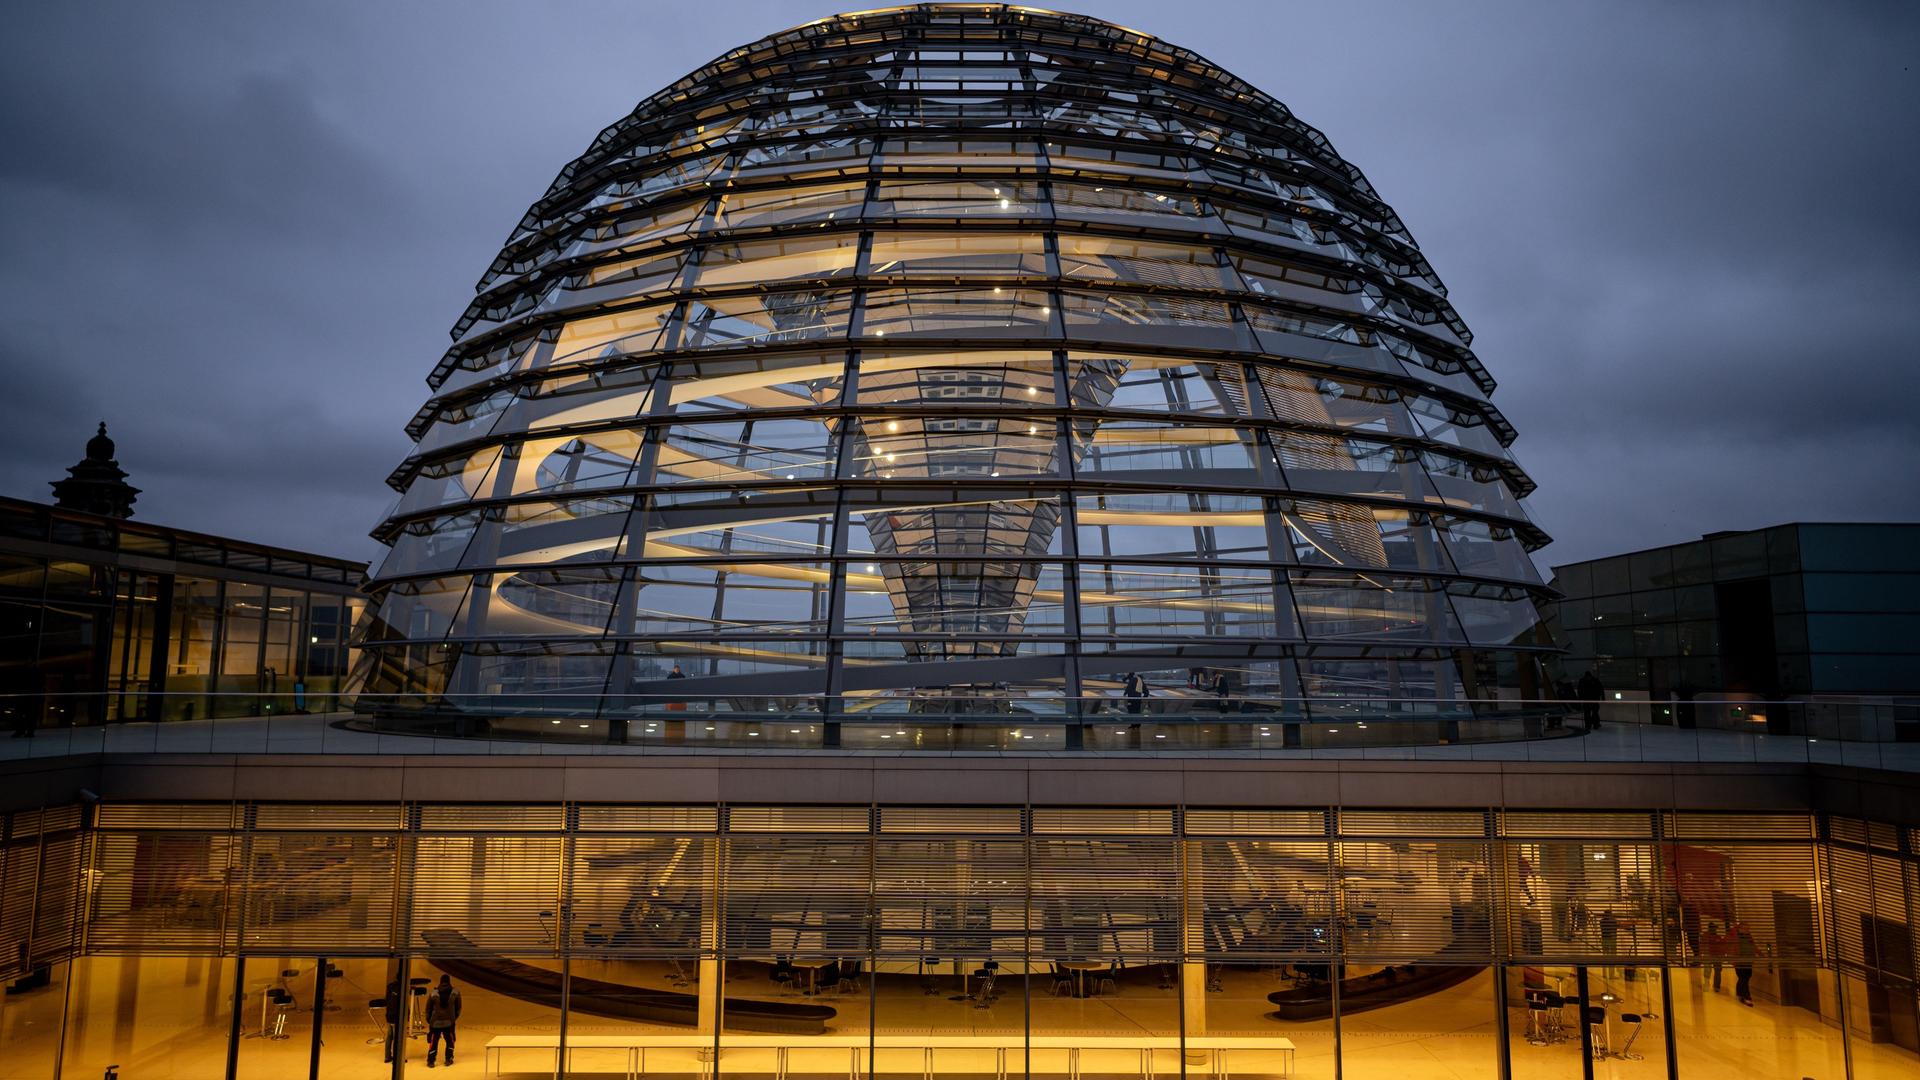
(929, 1055)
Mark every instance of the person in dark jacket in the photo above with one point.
(394, 1017)
(1743, 950)
(1136, 693)
(443, 1011)
(1590, 694)
(1222, 689)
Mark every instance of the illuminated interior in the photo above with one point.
(1307, 943)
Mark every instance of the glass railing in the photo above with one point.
(1867, 734)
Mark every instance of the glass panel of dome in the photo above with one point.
(692, 524)
(723, 598)
(416, 610)
(804, 159)
(642, 274)
(933, 521)
(431, 544)
(787, 206)
(1159, 383)
(632, 230)
(682, 173)
(1097, 259)
(580, 398)
(1430, 364)
(562, 602)
(443, 483)
(956, 255)
(1091, 159)
(1496, 615)
(1180, 525)
(758, 382)
(563, 679)
(549, 531)
(1151, 319)
(957, 199)
(1176, 601)
(1345, 534)
(774, 318)
(959, 313)
(1339, 465)
(1457, 426)
(997, 599)
(744, 452)
(902, 155)
(1281, 321)
(518, 353)
(605, 337)
(1382, 688)
(1226, 455)
(1342, 606)
(1001, 377)
(573, 463)
(1330, 402)
(1487, 550)
(464, 421)
(951, 447)
(779, 675)
(1283, 281)
(813, 258)
(1131, 206)
(1468, 486)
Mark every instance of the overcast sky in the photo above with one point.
(1684, 234)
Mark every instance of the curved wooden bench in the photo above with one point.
(451, 952)
(1369, 991)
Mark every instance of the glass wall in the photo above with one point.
(204, 627)
(768, 941)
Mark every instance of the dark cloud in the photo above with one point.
(1680, 232)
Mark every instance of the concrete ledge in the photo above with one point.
(998, 781)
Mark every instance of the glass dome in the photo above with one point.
(958, 359)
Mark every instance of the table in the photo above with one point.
(813, 969)
(1080, 969)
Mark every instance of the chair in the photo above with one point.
(1597, 1029)
(1062, 982)
(1633, 1021)
(849, 976)
(1109, 980)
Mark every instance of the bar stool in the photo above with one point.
(1537, 1017)
(416, 1007)
(1633, 1032)
(377, 1012)
(328, 1004)
(1597, 1029)
(1554, 1025)
(281, 1003)
(985, 974)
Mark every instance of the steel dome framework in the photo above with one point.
(958, 358)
